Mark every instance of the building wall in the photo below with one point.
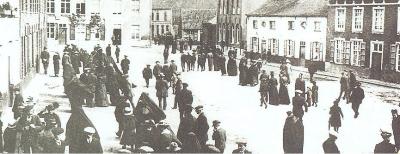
(389, 36)
(162, 22)
(229, 22)
(114, 14)
(303, 30)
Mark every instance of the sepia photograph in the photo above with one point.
(200, 76)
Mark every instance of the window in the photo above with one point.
(167, 28)
(50, 30)
(339, 49)
(378, 19)
(273, 45)
(165, 16)
(158, 29)
(152, 16)
(255, 24)
(65, 6)
(221, 7)
(316, 51)
(80, 8)
(264, 24)
(357, 52)
(135, 32)
(162, 29)
(271, 24)
(358, 15)
(317, 26)
(340, 19)
(398, 20)
(254, 44)
(157, 16)
(136, 6)
(50, 6)
(377, 47)
(290, 25)
(72, 32)
(398, 58)
(289, 48)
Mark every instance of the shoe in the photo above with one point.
(174, 108)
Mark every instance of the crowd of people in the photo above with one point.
(142, 126)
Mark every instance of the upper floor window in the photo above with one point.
(135, 35)
(50, 6)
(165, 16)
(317, 26)
(80, 8)
(291, 25)
(378, 19)
(255, 24)
(136, 6)
(65, 6)
(340, 19)
(358, 14)
(271, 24)
(157, 16)
(289, 48)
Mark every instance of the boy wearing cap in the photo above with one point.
(385, 146)
(219, 136)
(356, 98)
(329, 145)
(242, 144)
(89, 143)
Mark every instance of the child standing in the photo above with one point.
(314, 90)
(309, 95)
(336, 116)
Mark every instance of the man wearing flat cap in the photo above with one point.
(219, 136)
(201, 126)
(356, 98)
(125, 64)
(242, 144)
(329, 145)
(298, 103)
(385, 146)
(162, 91)
(184, 98)
(147, 74)
(49, 114)
(30, 125)
(157, 69)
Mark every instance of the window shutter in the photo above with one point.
(285, 47)
(321, 51)
(88, 32)
(56, 33)
(269, 44)
(393, 49)
(312, 51)
(332, 50)
(346, 52)
(277, 47)
(362, 54)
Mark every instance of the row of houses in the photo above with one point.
(361, 35)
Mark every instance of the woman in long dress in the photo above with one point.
(283, 91)
(101, 98)
(273, 90)
(243, 71)
(336, 113)
(129, 131)
(232, 66)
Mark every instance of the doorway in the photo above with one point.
(62, 36)
(116, 38)
(376, 59)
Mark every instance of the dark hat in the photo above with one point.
(57, 131)
(148, 65)
(199, 107)
(385, 134)
(215, 122)
(125, 55)
(50, 107)
(157, 61)
(17, 89)
(358, 83)
(289, 113)
(185, 84)
(55, 105)
(172, 61)
(394, 111)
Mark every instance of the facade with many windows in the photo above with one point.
(363, 35)
(287, 33)
(161, 21)
(117, 22)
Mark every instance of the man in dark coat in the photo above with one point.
(356, 98)
(125, 64)
(293, 134)
(30, 126)
(119, 113)
(187, 124)
(201, 126)
(76, 62)
(396, 128)
(352, 80)
(157, 69)
(108, 50)
(117, 51)
(184, 60)
(56, 64)
(49, 115)
(219, 136)
(298, 103)
(173, 67)
(243, 70)
(162, 91)
(89, 79)
(184, 99)
(18, 101)
(312, 68)
(85, 58)
(177, 88)
(45, 56)
(89, 143)
(264, 79)
(300, 84)
(10, 137)
(147, 75)
(222, 62)
(385, 146)
(329, 145)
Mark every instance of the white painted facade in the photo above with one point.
(161, 22)
(305, 33)
(131, 17)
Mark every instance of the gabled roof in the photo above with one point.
(194, 18)
(293, 8)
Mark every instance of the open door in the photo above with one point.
(117, 37)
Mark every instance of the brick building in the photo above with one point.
(363, 35)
